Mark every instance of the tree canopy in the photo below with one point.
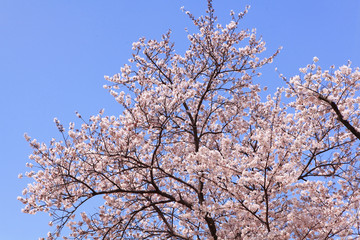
(197, 153)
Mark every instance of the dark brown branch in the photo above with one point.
(340, 116)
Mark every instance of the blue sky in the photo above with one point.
(54, 54)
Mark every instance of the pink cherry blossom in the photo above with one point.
(197, 153)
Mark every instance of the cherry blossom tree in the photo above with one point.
(198, 154)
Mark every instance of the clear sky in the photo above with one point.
(54, 54)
